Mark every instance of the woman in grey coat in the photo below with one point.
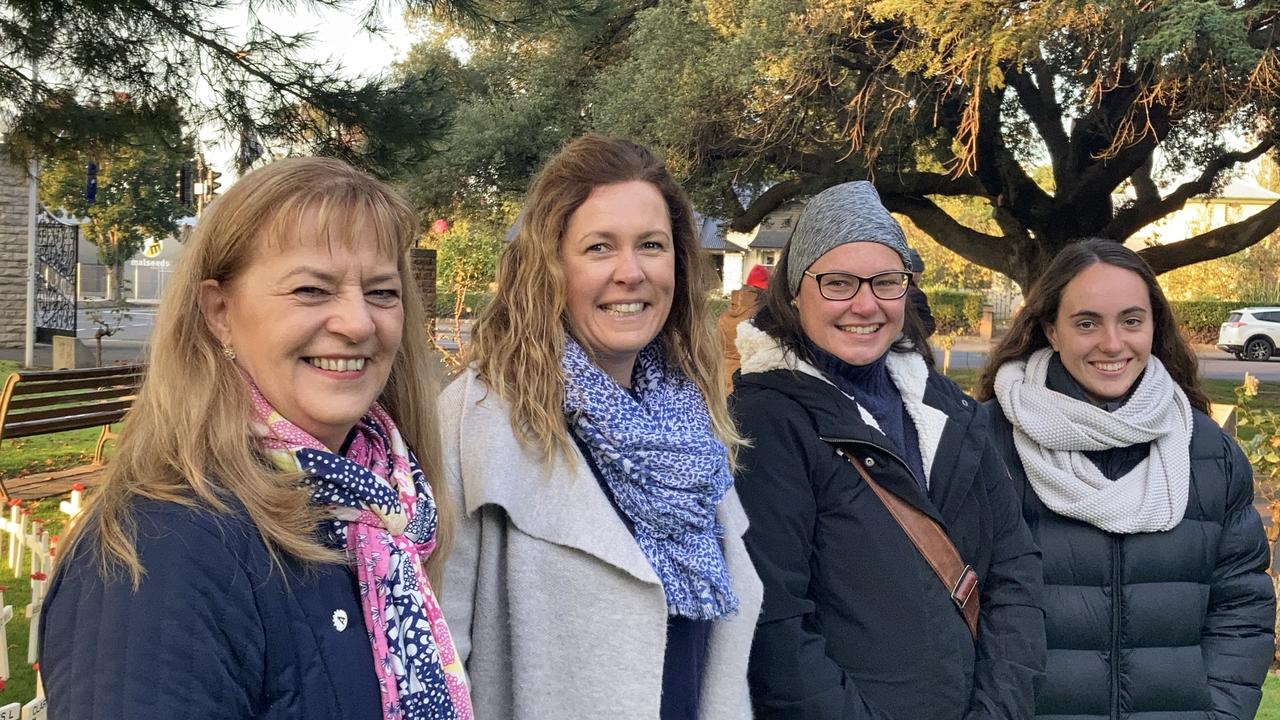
(599, 569)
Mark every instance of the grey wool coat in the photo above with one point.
(555, 611)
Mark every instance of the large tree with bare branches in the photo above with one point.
(1067, 118)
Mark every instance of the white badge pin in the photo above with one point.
(340, 619)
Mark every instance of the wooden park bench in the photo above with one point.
(40, 402)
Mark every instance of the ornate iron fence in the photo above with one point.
(57, 253)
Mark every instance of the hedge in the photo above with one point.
(1199, 319)
(958, 311)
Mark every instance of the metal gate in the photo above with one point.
(56, 256)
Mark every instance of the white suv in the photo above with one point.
(1251, 333)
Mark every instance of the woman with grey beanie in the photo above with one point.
(900, 579)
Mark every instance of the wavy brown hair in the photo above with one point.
(187, 439)
(1026, 334)
(519, 337)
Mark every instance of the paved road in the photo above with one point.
(134, 328)
(1214, 364)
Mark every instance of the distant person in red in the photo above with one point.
(742, 306)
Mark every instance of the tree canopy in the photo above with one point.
(61, 59)
(135, 177)
(1066, 118)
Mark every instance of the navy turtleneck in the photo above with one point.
(872, 387)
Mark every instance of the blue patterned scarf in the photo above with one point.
(665, 467)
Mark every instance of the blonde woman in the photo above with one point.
(267, 541)
(599, 569)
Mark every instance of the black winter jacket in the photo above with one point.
(213, 632)
(855, 624)
(1169, 625)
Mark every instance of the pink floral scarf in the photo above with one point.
(384, 516)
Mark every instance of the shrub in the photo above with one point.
(473, 303)
(956, 311)
(1200, 319)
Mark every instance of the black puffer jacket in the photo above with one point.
(855, 624)
(1156, 626)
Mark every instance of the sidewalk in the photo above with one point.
(113, 352)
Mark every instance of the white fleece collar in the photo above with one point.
(762, 353)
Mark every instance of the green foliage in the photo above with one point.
(1199, 320)
(136, 195)
(467, 255)
(472, 303)
(1251, 273)
(968, 116)
(220, 63)
(1261, 443)
(955, 311)
(944, 267)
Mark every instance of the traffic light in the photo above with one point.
(91, 182)
(211, 183)
(185, 181)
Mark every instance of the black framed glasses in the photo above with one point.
(842, 285)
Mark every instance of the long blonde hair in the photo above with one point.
(519, 337)
(187, 439)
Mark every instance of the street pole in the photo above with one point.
(29, 344)
(33, 177)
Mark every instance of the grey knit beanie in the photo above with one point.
(846, 213)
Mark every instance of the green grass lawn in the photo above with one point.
(21, 685)
(17, 458)
(1270, 708)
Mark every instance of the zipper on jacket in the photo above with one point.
(890, 453)
(1116, 591)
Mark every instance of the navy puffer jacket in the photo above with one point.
(1156, 626)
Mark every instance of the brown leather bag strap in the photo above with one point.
(960, 580)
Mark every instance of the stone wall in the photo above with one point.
(13, 250)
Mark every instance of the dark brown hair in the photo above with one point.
(780, 319)
(1026, 334)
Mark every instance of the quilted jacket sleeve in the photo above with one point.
(1011, 637)
(1239, 631)
(187, 643)
(790, 673)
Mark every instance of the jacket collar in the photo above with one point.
(553, 500)
(762, 353)
(953, 432)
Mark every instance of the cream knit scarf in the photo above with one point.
(1052, 431)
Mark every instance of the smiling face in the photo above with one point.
(861, 329)
(620, 273)
(1104, 330)
(316, 325)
